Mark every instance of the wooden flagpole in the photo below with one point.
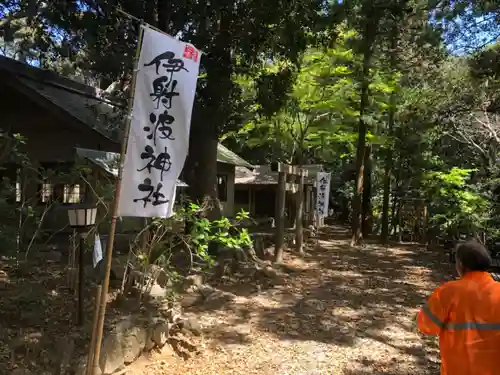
(96, 351)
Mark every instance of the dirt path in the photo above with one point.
(340, 311)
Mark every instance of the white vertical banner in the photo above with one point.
(322, 193)
(158, 142)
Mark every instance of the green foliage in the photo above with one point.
(318, 108)
(222, 231)
(178, 253)
(486, 63)
(282, 81)
(453, 203)
(203, 234)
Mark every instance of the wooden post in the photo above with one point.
(280, 218)
(283, 170)
(72, 274)
(299, 216)
(308, 205)
(114, 217)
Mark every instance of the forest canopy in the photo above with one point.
(398, 99)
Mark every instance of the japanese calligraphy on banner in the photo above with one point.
(322, 193)
(158, 141)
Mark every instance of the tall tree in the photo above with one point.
(236, 38)
(390, 128)
(368, 20)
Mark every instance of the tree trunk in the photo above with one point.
(367, 217)
(200, 172)
(386, 194)
(211, 113)
(425, 225)
(389, 151)
(395, 200)
(357, 219)
(357, 209)
(400, 221)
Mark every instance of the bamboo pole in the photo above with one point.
(112, 230)
(94, 329)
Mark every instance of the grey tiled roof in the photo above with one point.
(262, 175)
(92, 111)
(86, 104)
(225, 155)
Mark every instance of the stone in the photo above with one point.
(192, 325)
(133, 343)
(206, 290)
(194, 280)
(215, 298)
(157, 291)
(150, 344)
(112, 358)
(123, 345)
(270, 272)
(159, 275)
(182, 345)
(218, 296)
(190, 300)
(160, 333)
(172, 311)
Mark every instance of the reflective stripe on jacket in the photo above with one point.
(466, 315)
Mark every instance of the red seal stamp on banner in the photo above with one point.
(190, 53)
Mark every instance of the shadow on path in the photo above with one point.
(362, 302)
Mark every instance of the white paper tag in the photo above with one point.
(97, 255)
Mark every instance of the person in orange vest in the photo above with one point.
(465, 314)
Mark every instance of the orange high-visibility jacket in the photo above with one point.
(466, 315)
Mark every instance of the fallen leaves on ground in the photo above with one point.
(344, 311)
(341, 310)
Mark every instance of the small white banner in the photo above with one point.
(159, 131)
(322, 193)
(97, 254)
